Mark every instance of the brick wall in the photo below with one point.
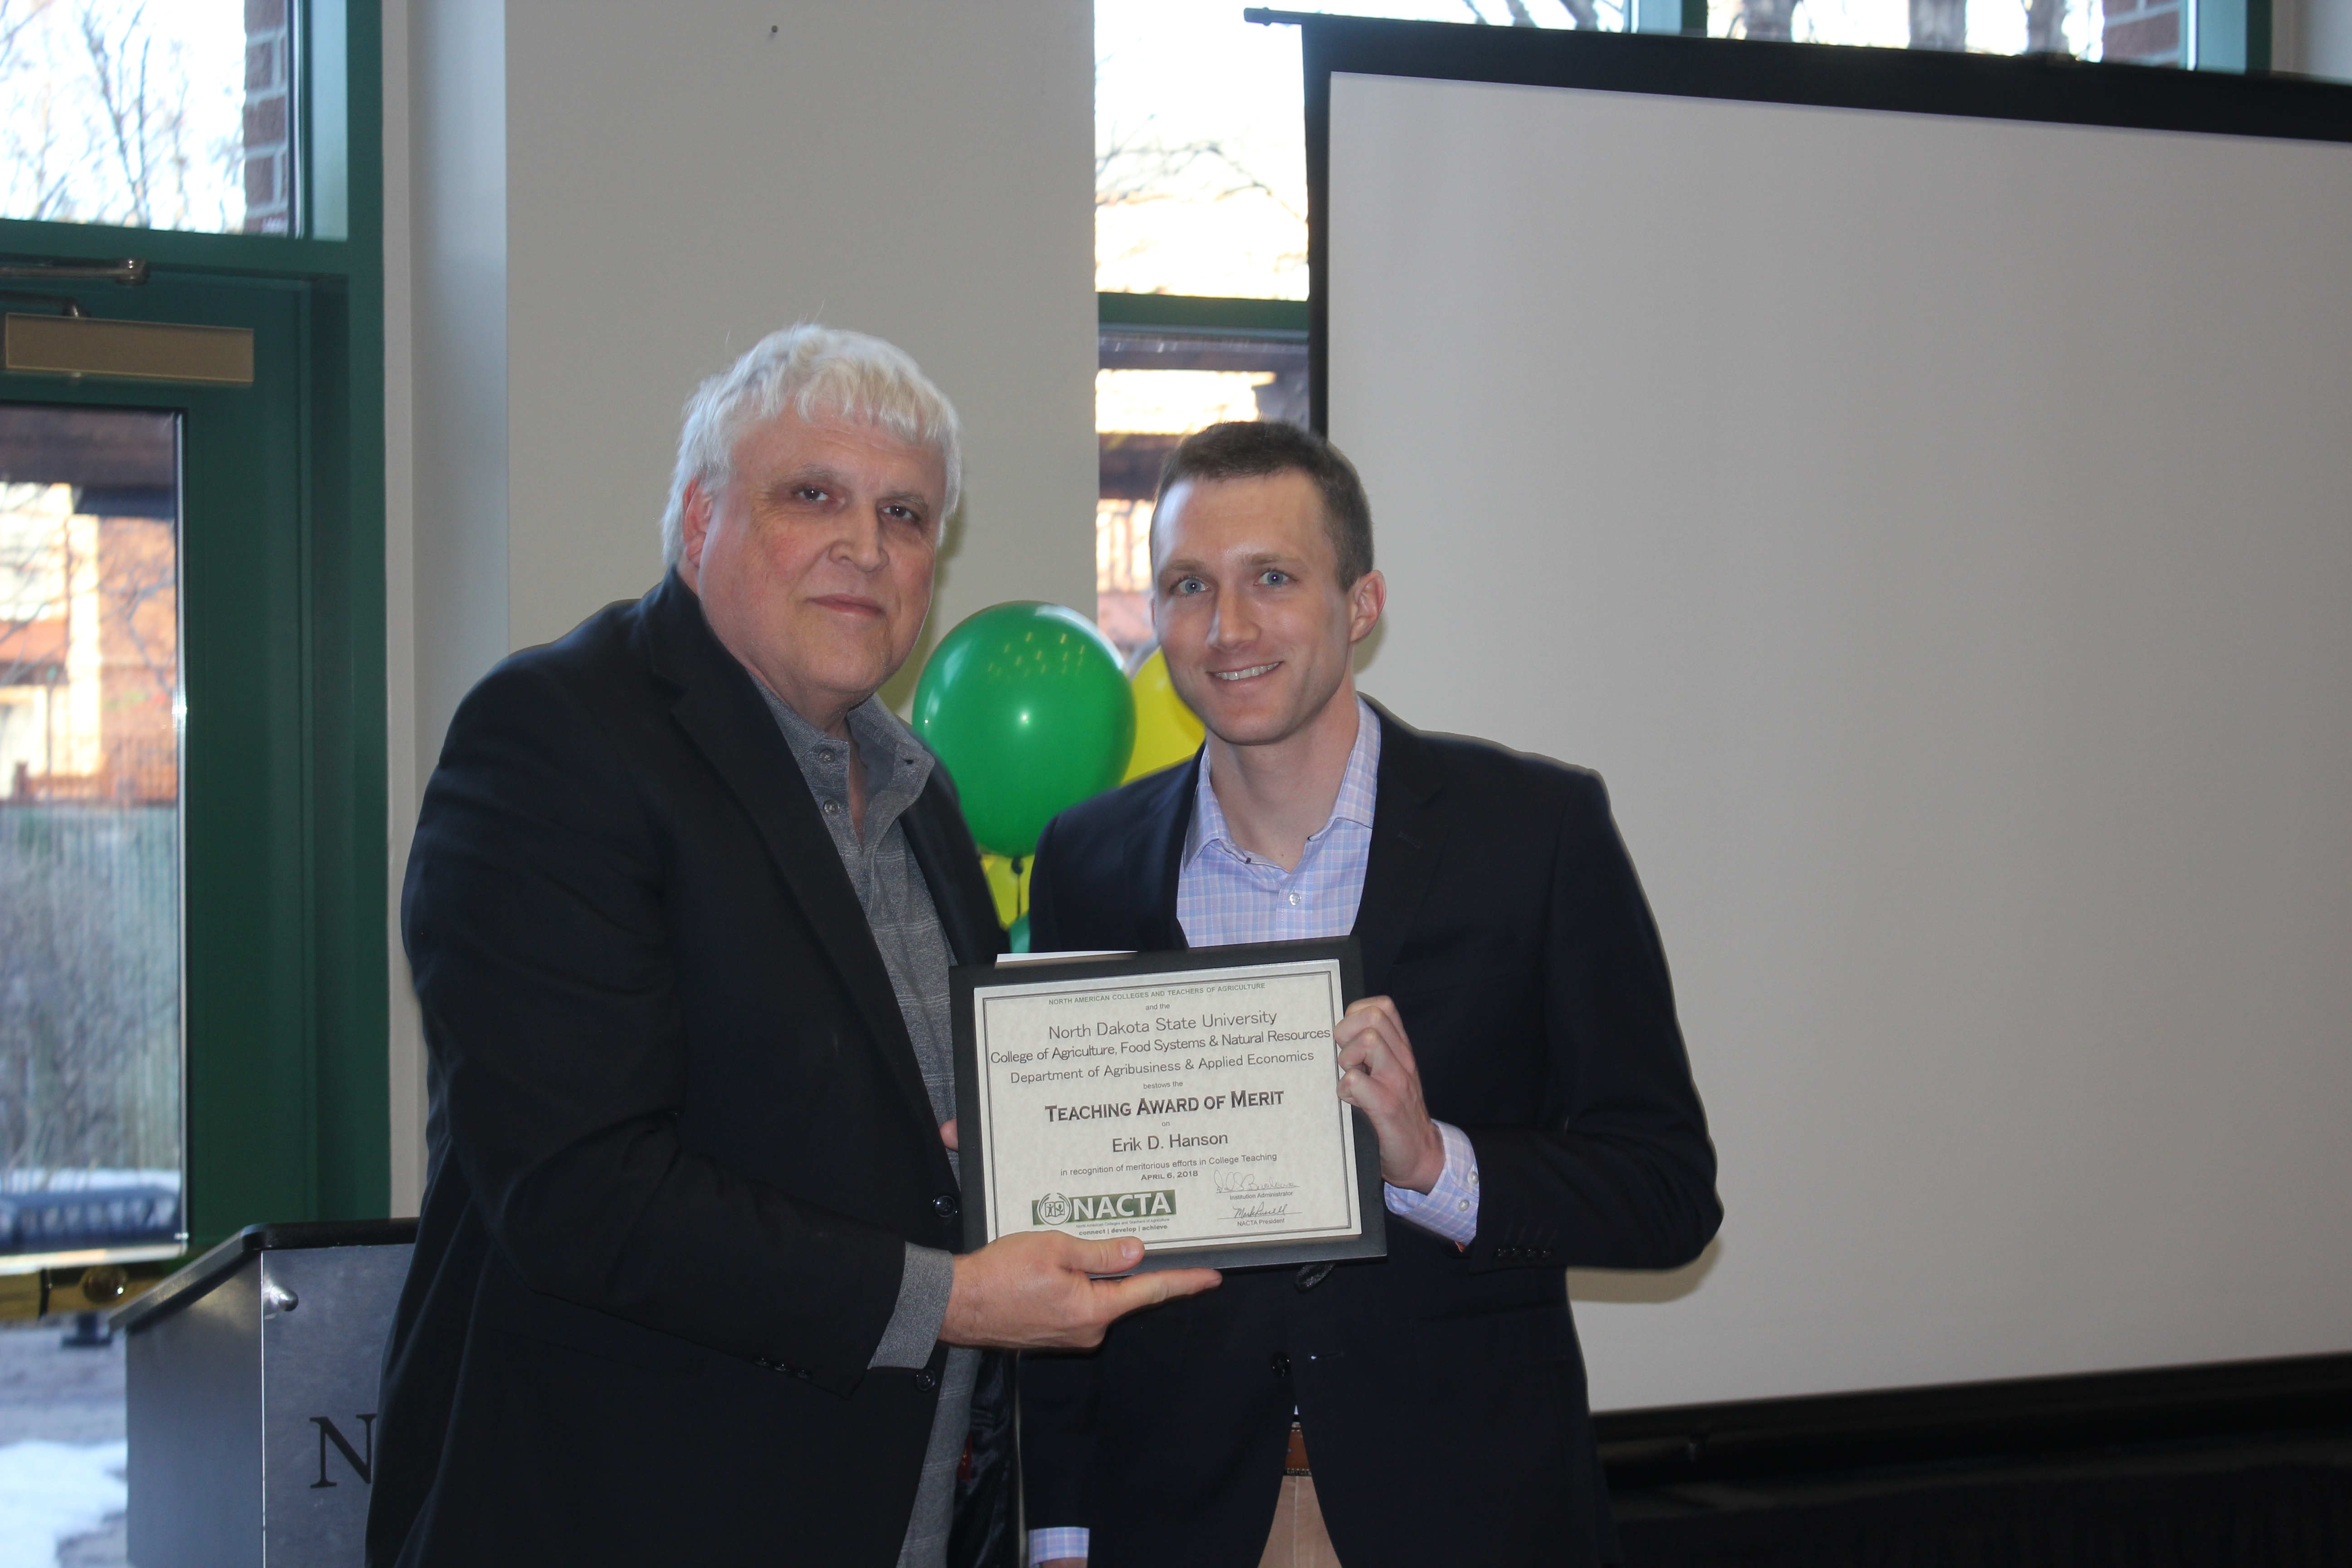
(269, 118)
(2146, 32)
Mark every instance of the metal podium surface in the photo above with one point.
(252, 1396)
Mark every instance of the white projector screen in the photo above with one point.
(1938, 532)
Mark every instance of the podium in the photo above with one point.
(252, 1396)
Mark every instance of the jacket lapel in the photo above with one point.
(1154, 853)
(724, 715)
(1407, 832)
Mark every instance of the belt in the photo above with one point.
(1294, 1463)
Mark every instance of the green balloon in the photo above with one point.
(1028, 706)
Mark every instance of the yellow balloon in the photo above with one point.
(1166, 732)
(1012, 892)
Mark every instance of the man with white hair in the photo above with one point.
(680, 909)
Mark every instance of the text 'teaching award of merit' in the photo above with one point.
(1190, 1099)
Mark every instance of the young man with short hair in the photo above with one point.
(1517, 1056)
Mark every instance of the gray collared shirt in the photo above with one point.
(897, 903)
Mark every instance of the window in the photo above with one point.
(1200, 175)
(89, 832)
(193, 1004)
(148, 113)
(1200, 156)
(1200, 190)
(1155, 384)
(192, 900)
(1201, 242)
(2077, 27)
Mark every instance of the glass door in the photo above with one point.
(155, 1079)
(90, 1037)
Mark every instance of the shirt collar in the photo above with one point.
(1359, 795)
(896, 765)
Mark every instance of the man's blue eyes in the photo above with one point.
(1194, 585)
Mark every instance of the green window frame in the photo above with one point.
(1197, 313)
(287, 1107)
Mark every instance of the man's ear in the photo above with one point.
(1366, 600)
(694, 531)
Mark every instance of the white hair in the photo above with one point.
(817, 371)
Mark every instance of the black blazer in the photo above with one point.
(1442, 1391)
(679, 1137)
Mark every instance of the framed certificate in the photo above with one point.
(1188, 1099)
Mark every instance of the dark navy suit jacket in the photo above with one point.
(1442, 1390)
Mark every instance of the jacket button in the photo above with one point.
(927, 1380)
(1278, 1363)
(1507, 1255)
(945, 1205)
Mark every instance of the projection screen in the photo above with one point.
(1938, 531)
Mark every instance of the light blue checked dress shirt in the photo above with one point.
(1225, 895)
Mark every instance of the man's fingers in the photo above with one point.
(1032, 1290)
(1369, 1096)
(1139, 1290)
(1372, 1050)
(948, 1133)
(1361, 1020)
(1372, 1028)
(1116, 1256)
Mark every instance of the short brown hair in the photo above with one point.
(1251, 449)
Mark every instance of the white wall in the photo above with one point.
(2313, 38)
(445, 566)
(2326, 39)
(920, 170)
(602, 203)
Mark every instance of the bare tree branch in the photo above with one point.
(1138, 166)
(13, 24)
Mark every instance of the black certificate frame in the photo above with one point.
(967, 982)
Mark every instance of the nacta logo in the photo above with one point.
(1055, 1209)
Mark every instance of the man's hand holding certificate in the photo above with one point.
(1377, 1077)
(1039, 1292)
(1191, 1099)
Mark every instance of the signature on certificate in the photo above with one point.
(1238, 1181)
(1260, 1211)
